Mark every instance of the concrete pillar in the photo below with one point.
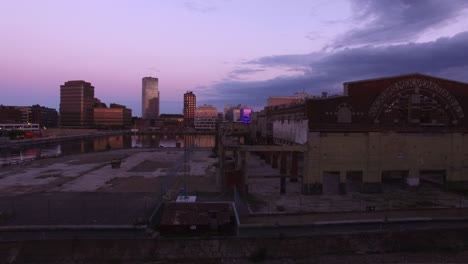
(283, 171)
(372, 176)
(294, 166)
(283, 185)
(283, 163)
(245, 155)
(454, 176)
(267, 157)
(342, 187)
(274, 162)
(237, 158)
(312, 177)
(220, 180)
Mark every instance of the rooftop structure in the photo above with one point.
(281, 100)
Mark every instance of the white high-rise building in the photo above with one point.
(150, 98)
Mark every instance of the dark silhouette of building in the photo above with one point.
(171, 122)
(77, 104)
(116, 116)
(150, 98)
(44, 116)
(190, 104)
(9, 114)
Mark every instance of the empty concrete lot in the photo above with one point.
(266, 198)
(85, 189)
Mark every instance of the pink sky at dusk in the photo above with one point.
(202, 46)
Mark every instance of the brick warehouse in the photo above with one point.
(408, 128)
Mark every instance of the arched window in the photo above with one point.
(344, 113)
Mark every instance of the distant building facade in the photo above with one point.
(206, 117)
(36, 114)
(235, 113)
(10, 114)
(26, 114)
(77, 104)
(190, 104)
(171, 122)
(150, 98)
(44, 116)
(281, 100)
(116, 116)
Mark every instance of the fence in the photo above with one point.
(91, 208)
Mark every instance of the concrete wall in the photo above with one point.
(291, 130)
(216, 250)
(374, 152)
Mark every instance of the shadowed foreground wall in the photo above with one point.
(446, 243)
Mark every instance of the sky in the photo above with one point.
(225, 51)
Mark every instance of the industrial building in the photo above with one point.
(409, 128)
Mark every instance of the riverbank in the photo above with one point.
(60, 135)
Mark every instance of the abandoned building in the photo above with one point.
(409, 128)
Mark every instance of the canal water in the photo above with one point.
(99, 144)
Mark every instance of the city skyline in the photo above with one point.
(227, 52)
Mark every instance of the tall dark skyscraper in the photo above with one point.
(76, 104)
(150, 98)
(190, 103)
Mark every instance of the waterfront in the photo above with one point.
(126, 141)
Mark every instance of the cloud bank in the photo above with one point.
(382, 45)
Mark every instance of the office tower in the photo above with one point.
(190, 103)
(150, 98)
(76, 104)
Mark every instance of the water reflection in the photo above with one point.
(103, 143)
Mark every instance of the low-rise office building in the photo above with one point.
(116, 116)
(206, 117)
